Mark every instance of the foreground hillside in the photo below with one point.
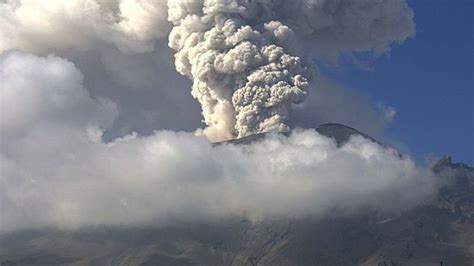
(440, 230)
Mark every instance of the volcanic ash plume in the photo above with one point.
(243, 76)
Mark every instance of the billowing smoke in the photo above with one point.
(79, 77)
(242, 74)
(237, 53)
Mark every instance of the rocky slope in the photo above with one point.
(440, 230)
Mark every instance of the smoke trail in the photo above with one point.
(237, 57)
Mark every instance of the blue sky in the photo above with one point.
(429, 81)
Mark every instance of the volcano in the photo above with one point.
(441, 230)
(338, 132)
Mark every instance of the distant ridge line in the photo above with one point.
(339, 132)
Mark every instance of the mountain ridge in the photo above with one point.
(339, 132)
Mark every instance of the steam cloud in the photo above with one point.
(68, 151)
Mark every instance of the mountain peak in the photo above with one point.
(339, 132)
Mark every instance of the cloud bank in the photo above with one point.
(58, 171)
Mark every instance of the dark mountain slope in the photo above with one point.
(340, 133)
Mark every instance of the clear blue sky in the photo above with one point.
(429, 81)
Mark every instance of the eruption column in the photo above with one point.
(236, 56)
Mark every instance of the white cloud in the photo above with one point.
(37, 91)
(42, 25)
(57, 171)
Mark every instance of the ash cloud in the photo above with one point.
(243, 77)
(244, 57)
(57, 171)
(121, 47)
